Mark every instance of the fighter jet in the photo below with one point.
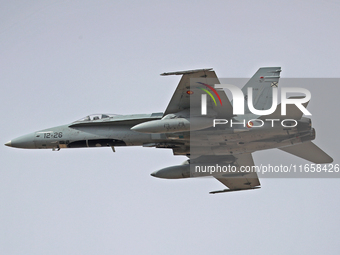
(199, 123)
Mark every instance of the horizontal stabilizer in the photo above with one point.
(309, 151)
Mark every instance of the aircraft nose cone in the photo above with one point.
(24, 142)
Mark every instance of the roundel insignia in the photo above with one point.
(250, 124)
(189, 92)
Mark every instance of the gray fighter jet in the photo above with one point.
(199, 123)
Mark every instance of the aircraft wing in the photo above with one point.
(191, 85)
(238, 180)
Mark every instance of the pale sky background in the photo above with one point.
(63, 60)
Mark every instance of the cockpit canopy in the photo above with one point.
(169, 116)
(94, 117)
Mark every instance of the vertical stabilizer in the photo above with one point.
(262, 82)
